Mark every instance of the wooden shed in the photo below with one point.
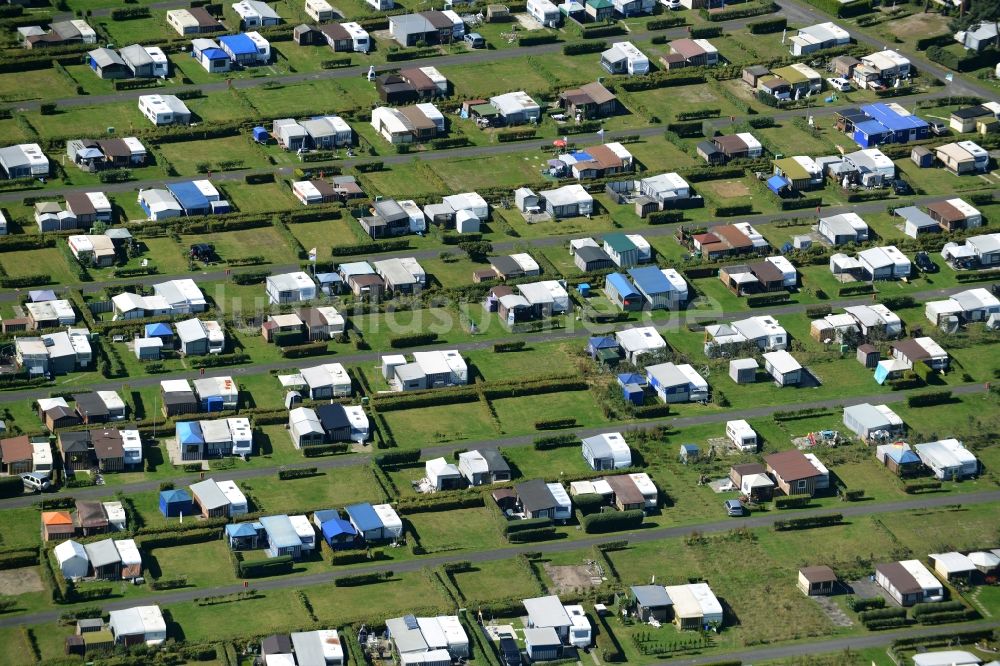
(868, 356)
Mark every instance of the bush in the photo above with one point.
(297, 473)
(846, 10)
(792, 501)
(371, 248)
(306, 350)
(168, 584)
(127, 13)
(665, 217)
(11, 486)
(588, 503)
(397, 458)
(937, 607)
(250, 277)
(515, 135)
(336, 63)
(731, 211)
(768, 26)
(414, 340)
(258, 178)
(535, 40)
(663, 24)
(856, 289)
(514, 526)
(686, 129)
(768, 299)
(881, 614)
(612, 521)
(888, 623)
(15, 559)
(410, 54)
(449, 142)
(800, 203)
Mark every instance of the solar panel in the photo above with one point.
(411, 622)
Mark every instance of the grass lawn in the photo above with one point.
(260, 242)
(20, 527)
(480, 584)
(457, 272)
(461, 175)
(185, 156)
(49, 261)
(298, 99)
(411, 179)
(542, 359)
(278, 608)
(527, 463)
(37, 84)
(493, 78)
(518, 415)
(332, 489)
(88, 120)
(462, 529)
(14, 649)
(660, 155)
(203, 564)
(416, 428)
(403, 593)
(325, 235)
(264, 197)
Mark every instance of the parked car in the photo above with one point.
(735, 508)
(901, 187)
(937, 127)
(36, 482)
(925, 263)
(673, 5)
(203, 251)
(839, 84)
(475, 40)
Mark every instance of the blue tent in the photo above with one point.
(260, 134)
(365, 520)
(634, 394)
(175, 502)
(188, 432)
(159, 330)
(339, 533)
(41, 295)
(627, 378)
(777, 183)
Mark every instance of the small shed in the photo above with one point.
(689, 453)
(922, 157)
(175, 502)
(817, 580)
(868, 356)
(497, 14)
(743, 370)
(443, 475)
(651, 601)
(542, 644)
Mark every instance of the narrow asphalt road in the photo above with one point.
(576, 330)
(838, 645)
(311, 581)
(348, 461)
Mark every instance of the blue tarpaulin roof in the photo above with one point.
(582, 156)
(631, 378)
(891, 119)
(650, 280)
(870, 127)
(175, 496)
(188, 195)
(241, 530)
(900, 456)
(189, 432)
(363, 515)
(239, 44)
(603, 343)
(621, 285)
(157, 330)
(214, 54)
(777, 183)
(336, 527)
(41, 295)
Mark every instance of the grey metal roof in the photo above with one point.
(136, 56)
(101, 553)
(407, 639)
(547, 612)
(651, 596)
(308, 648)
(106, 57)
(535, 495)
(209, 495)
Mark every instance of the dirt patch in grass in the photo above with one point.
(728, 189)
(919, 25)
(20, 581)
(570, 578)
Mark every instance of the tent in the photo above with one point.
(175, 502)
(777, 183)
(339, 533)
(158, 330)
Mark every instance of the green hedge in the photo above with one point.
(928, 399)
(11, 486)
(503, 347)
(371, 248)
(274, 566)
(336, 63)
(588, 503)
(411, 54)
(888, 623)
(768, 26)
(258, 178)
(250, 277)
(578, 48)
(15, 559)
(449, 142)
(341, 558)
(732, 211)
(362, 579)
(514, 526)
(800, 203)
(881, 614)
(938, 607)
(297, 473)
(515, 135)
(846, 10)
(325, 450)
(555, 424)
(856, 289)
(920, 486)
(792, 501)
(697, 114)
(664, 23)
(531, 536)
(707, 32)
(867, 603)
(807, 523)
(305, 350)
(535, 40)
(397, 458)
(959, 63)
(665, 217)
(768, 299)
(687, 130)
(741, 11)
(555, 442)
(128, 13)
(414, 340)
(612, 521)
